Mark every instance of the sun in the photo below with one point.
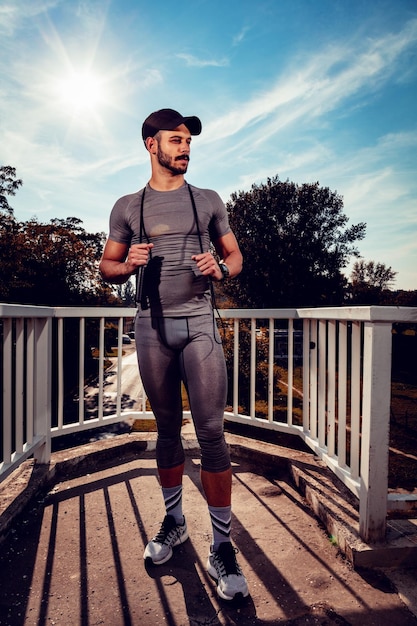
(81, 92)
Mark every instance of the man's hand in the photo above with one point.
(208, 265)
(138, 255)
(119, 262)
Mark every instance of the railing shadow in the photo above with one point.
(86, 539)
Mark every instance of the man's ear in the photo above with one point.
(151, 144)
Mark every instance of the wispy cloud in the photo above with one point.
(329, 79)
(237, 39)
(15, 12)
(193, 61)
(374, 182)
(304, 104)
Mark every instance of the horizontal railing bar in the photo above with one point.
(262, 314)
(25, 310)
(362, 314)
(106, 312)
(263, 423)
(358, 313)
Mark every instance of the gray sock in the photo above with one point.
(221, 521)
(173, 502)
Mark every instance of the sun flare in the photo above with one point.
(81, 92)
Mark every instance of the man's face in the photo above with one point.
(174, 149)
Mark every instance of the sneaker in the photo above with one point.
(171, 534)
(223, 567)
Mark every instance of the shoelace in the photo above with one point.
(167, 531)
(225, 562)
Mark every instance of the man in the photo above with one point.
(163, 233)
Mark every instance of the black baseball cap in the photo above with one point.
(168, 119)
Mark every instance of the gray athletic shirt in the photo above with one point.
(173, 284)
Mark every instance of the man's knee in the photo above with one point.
(169, 452)
(215, 455)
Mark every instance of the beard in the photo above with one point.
(176, 166)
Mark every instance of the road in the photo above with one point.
(131, 385)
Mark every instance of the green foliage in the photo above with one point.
(261, 373)
(374, 274)
(401, 298)
(260, 348)
(126, 292)
(9, 184)
(370, 283)
(54, 264)
(295, 242)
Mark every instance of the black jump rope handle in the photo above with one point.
(139, 283)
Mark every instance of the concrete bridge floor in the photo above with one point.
(72, 555)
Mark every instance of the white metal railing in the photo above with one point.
(334, 362)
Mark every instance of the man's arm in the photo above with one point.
(119, 262)
(229, 252)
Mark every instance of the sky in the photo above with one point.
(308, 90)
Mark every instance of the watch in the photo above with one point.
(224, 270)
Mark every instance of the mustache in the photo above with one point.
(181, 158)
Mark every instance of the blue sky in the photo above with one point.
(310, 90)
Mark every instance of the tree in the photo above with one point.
(126, 292)
(54, 264)
(9, 184)
(403, 298)
(295, 242)
(370, 283)
(373, 274)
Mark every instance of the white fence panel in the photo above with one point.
(345, 385)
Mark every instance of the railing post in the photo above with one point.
(42, 387)
(306, 375)
(7, 398)
(375, 430)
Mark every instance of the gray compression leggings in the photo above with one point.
(171, 350)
